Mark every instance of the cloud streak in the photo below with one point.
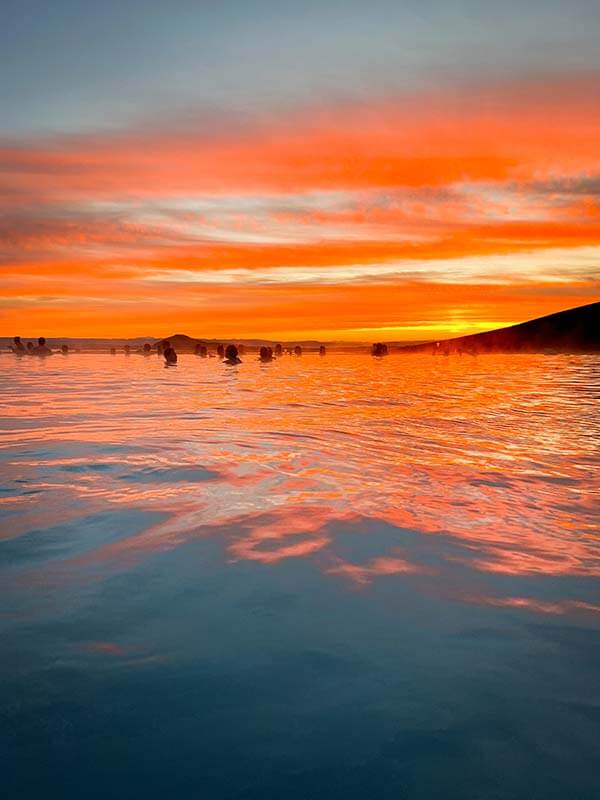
(492, 185)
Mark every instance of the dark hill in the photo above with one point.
(574, 331)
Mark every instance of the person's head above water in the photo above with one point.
(231, 355)
(42, 348)
(18, 345)
(169, 353)
(379, 349)
(265, 353)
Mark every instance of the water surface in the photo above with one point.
(315, 578)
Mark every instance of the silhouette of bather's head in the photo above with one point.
(18, 345)
(378, 350)
(231, 355)
(169, 353)
(265, 354)
(42, 349)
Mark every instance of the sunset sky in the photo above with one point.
(338, 170)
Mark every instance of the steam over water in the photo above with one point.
(314, 578)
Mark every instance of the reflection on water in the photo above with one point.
(376, 576)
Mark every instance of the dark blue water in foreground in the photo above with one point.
(331, 578)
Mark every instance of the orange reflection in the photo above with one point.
(472, 470)
(377, 567)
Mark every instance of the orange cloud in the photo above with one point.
(339, 196)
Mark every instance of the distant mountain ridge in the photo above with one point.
(576, 330)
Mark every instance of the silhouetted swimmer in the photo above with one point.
(221, 351)
(113, 351)
(169, 354)
(322, 350)
(378, 350)
(297, 350)
(64, 349)
(278, 350)
(231, 355)
(42, 348)
(18, 347)
(265, 354)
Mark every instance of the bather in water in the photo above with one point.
(378, 350)
(18, 347)
(42, 348)
(231, 355)
(265, 354)
(169, 354)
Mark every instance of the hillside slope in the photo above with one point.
(576, 330)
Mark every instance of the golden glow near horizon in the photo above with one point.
(422, 216)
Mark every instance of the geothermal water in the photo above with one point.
(330, 577)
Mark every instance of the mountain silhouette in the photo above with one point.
(576, 330)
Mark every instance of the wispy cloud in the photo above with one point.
(491, 186)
